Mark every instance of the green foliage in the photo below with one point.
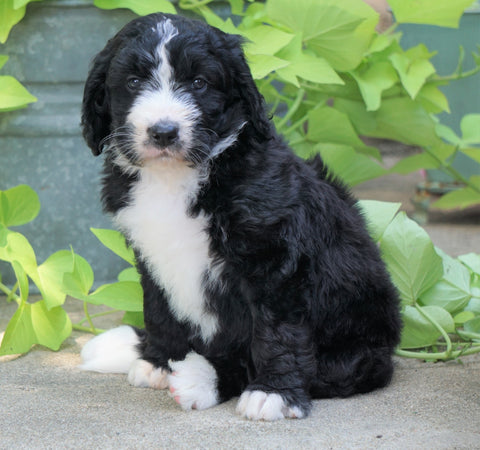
(431, 12)
(9, 16)
(140, 7)
(116, 243)
(469, 145)
(411, 258)
(18, 206)
(12, 94)
(45, 322)
(322, 59)
(339, 80)
(439, 294)
(440, 156)
(330, 79)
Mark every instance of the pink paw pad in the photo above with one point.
(192, 382)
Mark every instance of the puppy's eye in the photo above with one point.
(199, 84)
(133, 83)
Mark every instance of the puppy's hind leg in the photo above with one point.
(112, 352)
(342, 373)
(119, 351)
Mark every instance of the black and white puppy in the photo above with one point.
(259, 277)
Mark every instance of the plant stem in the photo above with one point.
(78, 327)
(100, 314)
(296, 125)
(13, 295)
(192, 4)
(293, 109)
(297, 141)
(447, 168)
(444, 334)
(437, 356)
(274, 107)
(458, 76)
(468, 335)
(88, 318)
(10, 293)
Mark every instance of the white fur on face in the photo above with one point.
(167, 32)
(157, 106)
(162, 102)
(174, 245)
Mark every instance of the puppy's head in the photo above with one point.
(169, 87)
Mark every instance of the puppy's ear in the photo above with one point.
(96, 117)
(253, 101)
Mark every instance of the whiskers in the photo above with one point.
(200, 152)
(203, 153)
(120, 132)
(120, 145)
(124, 147)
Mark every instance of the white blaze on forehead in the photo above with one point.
(161, 101)
(167, 32)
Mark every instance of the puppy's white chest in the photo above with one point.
(173, 244)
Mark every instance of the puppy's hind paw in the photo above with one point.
(111, 352)
(144, 374)
(258, 405)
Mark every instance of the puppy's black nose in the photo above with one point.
(163, 134)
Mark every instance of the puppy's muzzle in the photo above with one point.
(163, 134)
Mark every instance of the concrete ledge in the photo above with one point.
(47, 402)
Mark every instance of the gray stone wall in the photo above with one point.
(49, 52)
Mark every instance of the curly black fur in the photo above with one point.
(305, 306)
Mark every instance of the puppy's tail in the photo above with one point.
(113, 351)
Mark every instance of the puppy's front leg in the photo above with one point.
(163, 339)
(283, 355)
(201, 381)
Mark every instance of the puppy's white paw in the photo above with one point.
(258, 405)
(144, 374)
(111, 352)
(193, 382)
